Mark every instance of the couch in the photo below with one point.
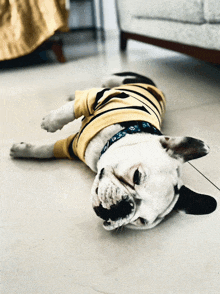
(191, 27)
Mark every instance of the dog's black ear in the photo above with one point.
(185, 148)
(193, 203)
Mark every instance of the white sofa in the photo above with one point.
(187, 26)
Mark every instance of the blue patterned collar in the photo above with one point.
(138, 127)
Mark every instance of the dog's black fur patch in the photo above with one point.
(117, 211)
(194, 203)
(136, 78)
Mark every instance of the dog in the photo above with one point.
(138, 181)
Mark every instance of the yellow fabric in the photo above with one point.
(61, 149)
(84, 102)
(25, 24)
(142, 103)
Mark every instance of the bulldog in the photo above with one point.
(138, 181)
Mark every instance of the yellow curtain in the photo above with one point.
(25, 24)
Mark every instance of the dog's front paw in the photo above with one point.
(20, 150)
(52, 122)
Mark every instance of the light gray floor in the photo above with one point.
(51, 240)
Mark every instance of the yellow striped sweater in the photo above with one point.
(101, 108)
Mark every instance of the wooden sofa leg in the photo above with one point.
(123, 41)
(58, 51)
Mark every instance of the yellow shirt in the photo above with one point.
(104, 107)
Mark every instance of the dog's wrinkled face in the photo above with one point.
(139, 179)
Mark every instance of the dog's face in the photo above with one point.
(139, 179)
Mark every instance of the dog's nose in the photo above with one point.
(117, 211)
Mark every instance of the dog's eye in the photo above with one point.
(143, 221)
(137, 177)
(140, 222)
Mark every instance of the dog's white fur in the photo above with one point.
(153, 198)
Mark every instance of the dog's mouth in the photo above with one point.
(125, 213)
(119, 214)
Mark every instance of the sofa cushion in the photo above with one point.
(177, 10)
(212, 11)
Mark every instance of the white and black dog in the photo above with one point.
(138, 179)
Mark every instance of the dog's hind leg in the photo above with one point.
(122, 78)
(24, 150)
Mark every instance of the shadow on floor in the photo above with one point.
(75, 45)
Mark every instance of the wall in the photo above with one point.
(110, 20)
(81, 16)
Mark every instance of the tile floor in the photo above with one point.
(51, 240)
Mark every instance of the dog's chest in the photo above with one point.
(96, 145)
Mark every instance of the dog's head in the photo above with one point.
(139, 181)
